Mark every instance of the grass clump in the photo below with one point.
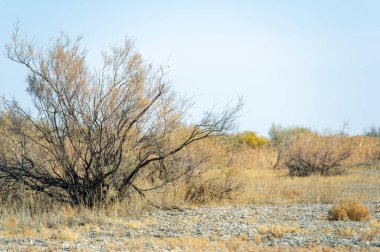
(348, 210)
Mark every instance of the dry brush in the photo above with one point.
(93, 133)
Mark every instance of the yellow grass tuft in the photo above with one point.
(349, 210)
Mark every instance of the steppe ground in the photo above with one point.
(278, 214)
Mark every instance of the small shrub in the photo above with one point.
(213, 187)
(348, 210)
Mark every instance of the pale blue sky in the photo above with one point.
(310, 63)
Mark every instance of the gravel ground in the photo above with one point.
(291, 227)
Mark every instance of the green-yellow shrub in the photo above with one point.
(250, 139)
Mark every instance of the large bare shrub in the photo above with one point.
(92, 133)
(314, 154)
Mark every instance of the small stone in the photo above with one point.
(376, 244)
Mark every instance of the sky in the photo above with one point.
(309, 63)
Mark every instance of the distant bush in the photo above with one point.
(314, 154)
(348, 210)
(280, 135)
(373, 132)
(250, 139)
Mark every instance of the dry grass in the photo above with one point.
(266, 186)
(246, 176)
(372, 230)
(67, 235)
(252, 183)
(347, 232)
(278, 230)
(365, 150)
(59, 222)
(261, 184)
(138, 224)
(349, 210)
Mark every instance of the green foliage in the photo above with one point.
(279, 134)
(250, 139)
